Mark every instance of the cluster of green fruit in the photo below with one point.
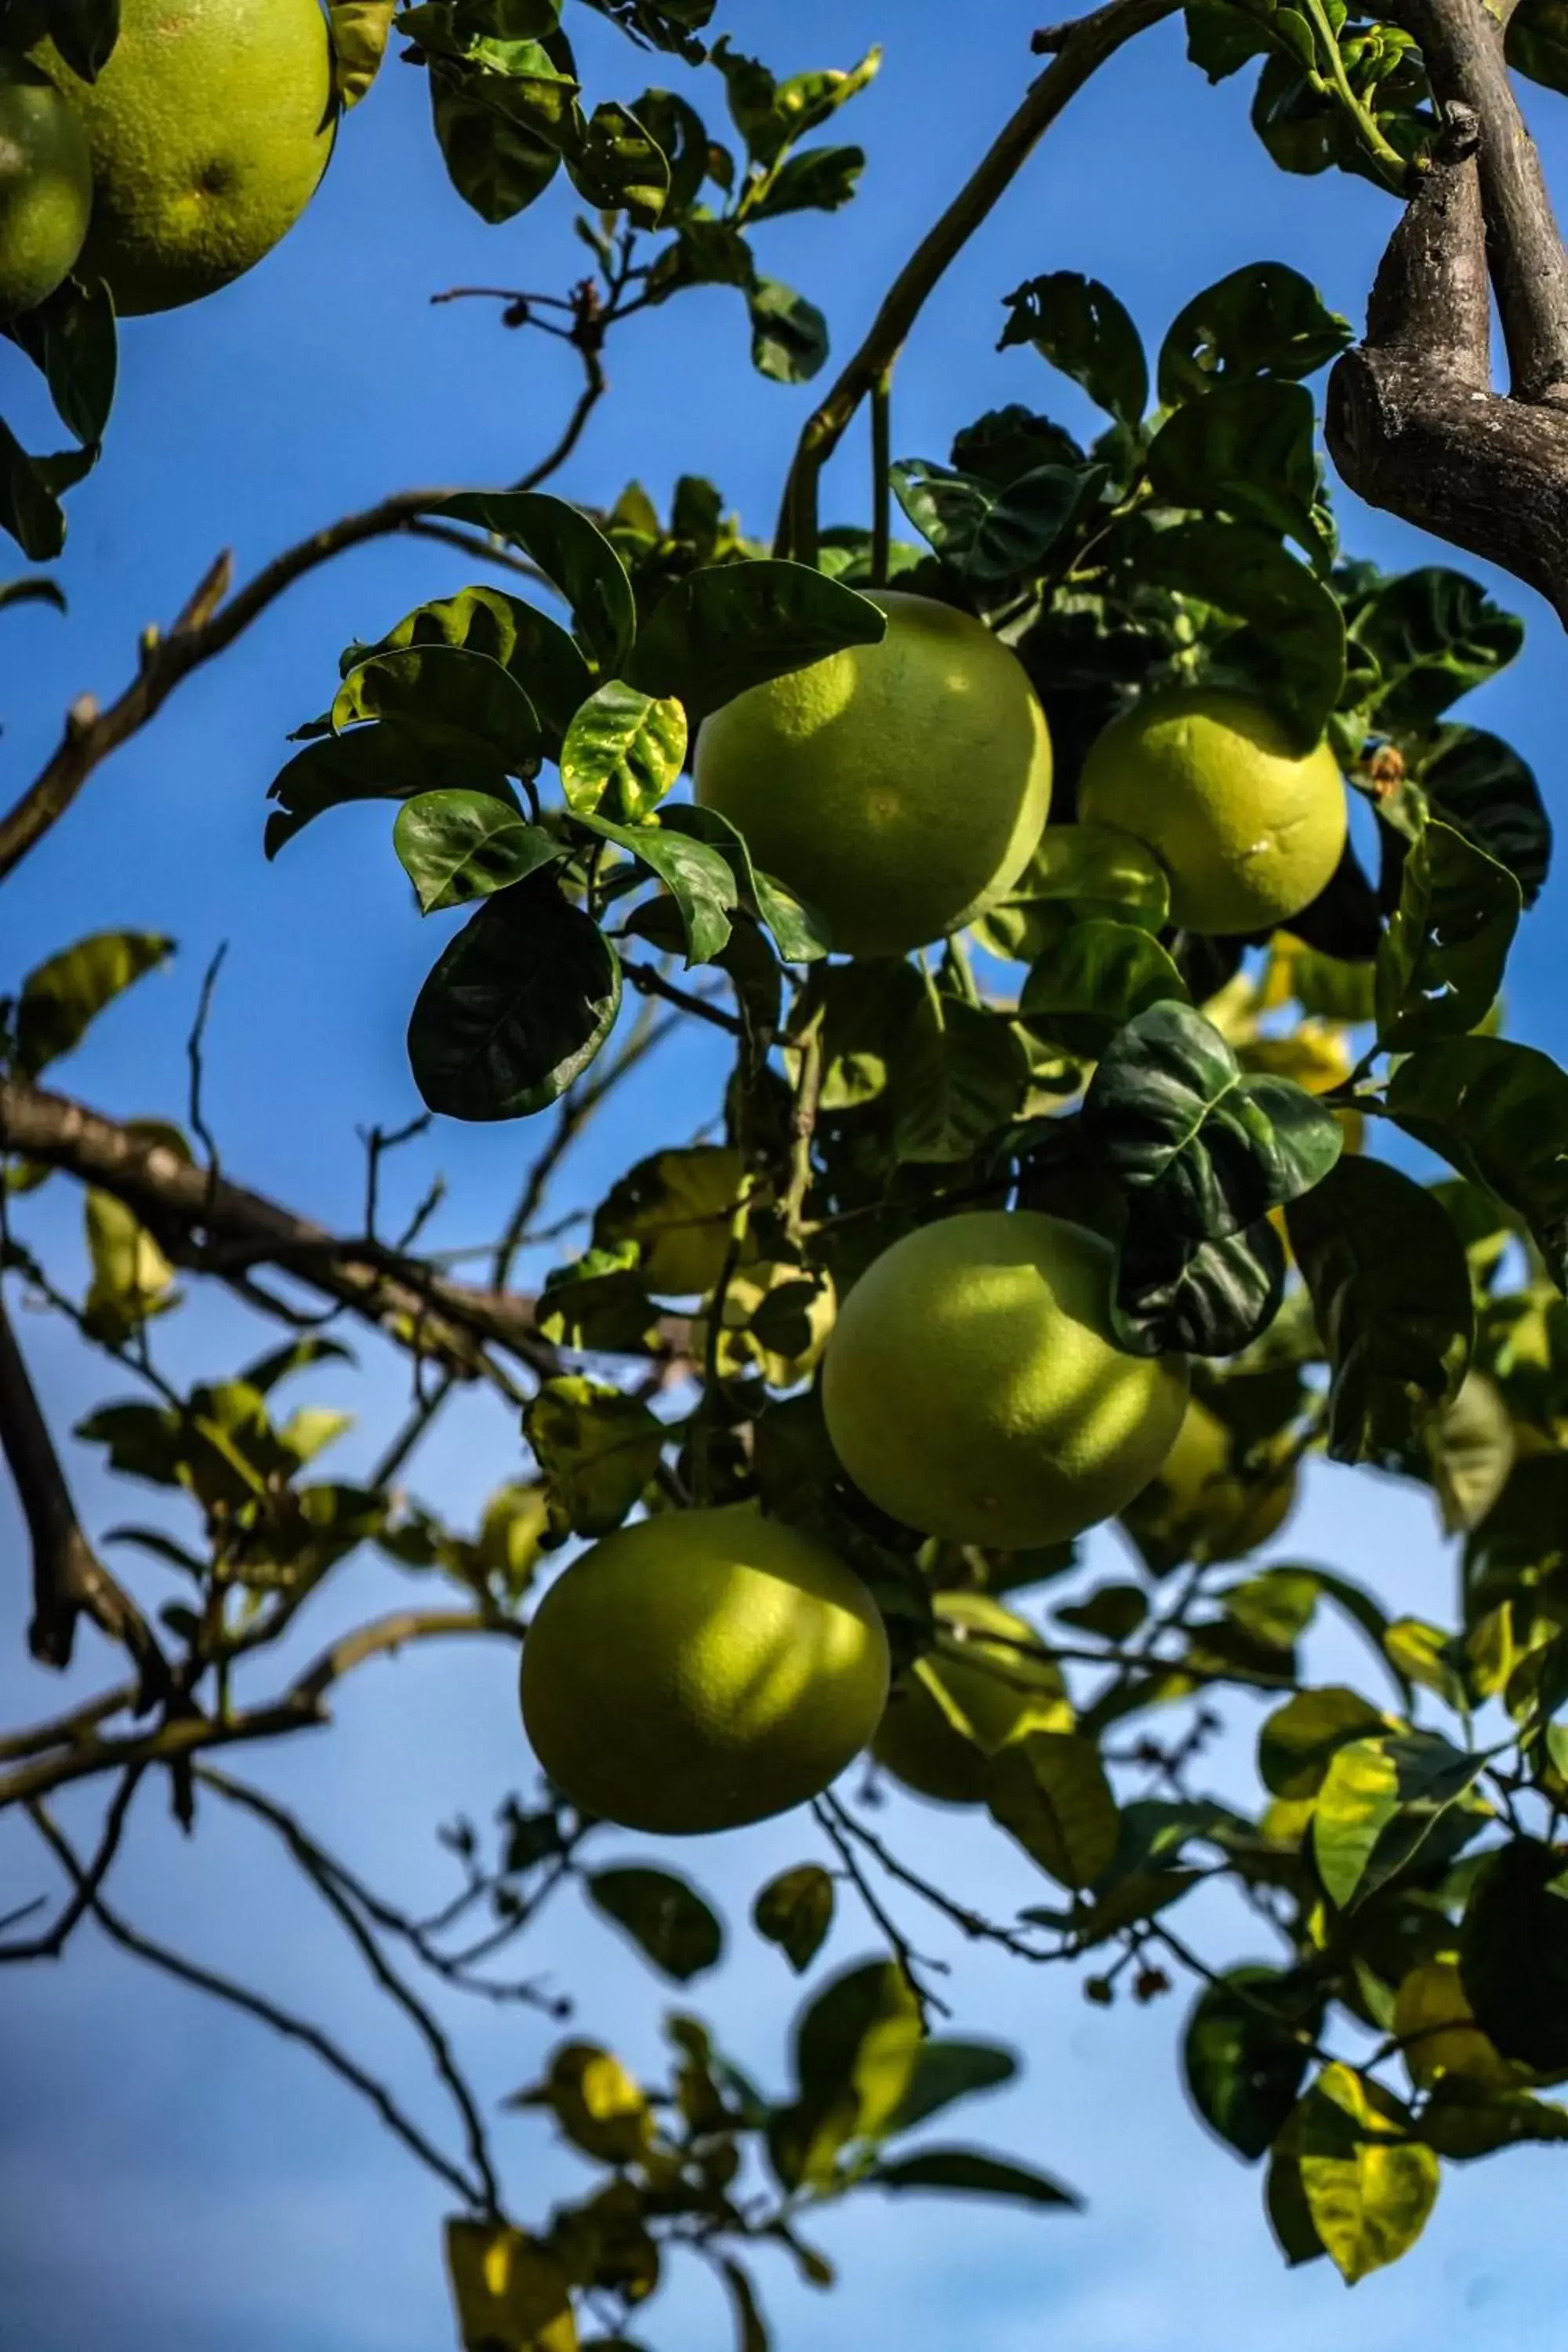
(194, 150)
(708, 1668)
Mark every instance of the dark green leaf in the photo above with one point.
(1049, 1789)
(598, 1450)
(735, 625)
(1441, 962)
(823, 179)
(789, 334)
(795, 1911)
(501, 134)
(71, 336)
(1203, 1298)
(571, 552)
(461, 705)
(697, 877)
(681, 135)
(752, 2332)
(989, 532)
(1434, 634)
(1264, 320)
(1244, 2054)
(1008, 442)
(1513, 1953)
(29, 502)
(947, 2071)
(1482, 785)
(1462, 2120)
(971, 2172)
(1391, 1294)
(1498, 1113)
(1079, 326)
(665, 1918)
(33, 590)
(799, 932)
(855, 2047)
(619, 166)
(516, 1008)
(62, 998)
(457, 845)
(961, 1075)
(1292, 643)
(85, 33)
(373, 764)
(1245, 450)
(538, 652)
(1093, 978)
(1172, 1115)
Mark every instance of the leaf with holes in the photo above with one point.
(1079, 326)
(1434, 634)
(1264, 320)
(1441, 962)
(990, 532)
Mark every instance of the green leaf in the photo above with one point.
(1093, 979)
(667, 1919)
(730, 626)
(32, 590)
(1434, 636)
(1049, 1789)
(454, 846)
(1497, 1113)
(1079, 326)
(619, 166)
(856, 2048)
(947, 2071)
(971, 2172)
(516, 1008)
(1379, 1801)
(1483, 786)
(697, 877)
(29, 496)
(1370, 2188)
(1441, 962)
(1245, 2050)
(680, 132)
(61, 999)
(1199, 1297)
(463, 706)
(1171, 1117)
(71, 336)
(131, 1279)
(294, 1356)
(575, 556)
(1513, 1953)
(799, 932)
(1302, 1739)
(789, 334)
(795, 1911)
(371, 764)
(1264, 320)
(510, 2292)
(599, 1302)
(537, 651)
(1462, 2120)
(1245, 450)
(360, 31)
(1099, 871)
(501, 134)
(597, 1448)
(1392, 1299)
(1292, 640)
(962, 1075)
(823, 179)
(679, 1208)
(771, 115)
(989, 532)
(627, 744)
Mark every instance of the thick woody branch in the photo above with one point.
(69, 1580)
(1080, 50)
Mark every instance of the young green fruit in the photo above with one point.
(974, 1388)
(209, 130)
(701, 1670)
(1199, 1504)
(46, 187)
(987, 1679)
(1248, 828)
(896, 787)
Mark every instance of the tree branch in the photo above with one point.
(68, 1582)
(1080, 50)
(53, 1941)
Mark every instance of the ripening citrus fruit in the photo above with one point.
(1200, 1505)
(973, 1389)
(987, 1679)
(46, 187)
(209, 128)
(896, 786)
(701, 1670)
(1248, 828)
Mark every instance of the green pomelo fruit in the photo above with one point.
(1199, 1503)
(896, 787)
(702, 1669)
(209, 130)
(1248, 828)
(987, 1680)
(46, 187)
(973, 1389)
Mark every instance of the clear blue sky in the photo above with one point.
(170, 2177)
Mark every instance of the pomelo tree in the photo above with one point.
(1198, 1105)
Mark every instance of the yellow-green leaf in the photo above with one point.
(1368, 2189)
(131, 1279)
(509, 2292)
(1049, 1789)
(360, 31)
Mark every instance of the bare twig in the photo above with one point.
(650, 982)
(908, 1961)
(52, 1943)
(968, 1923)
(67, 1730)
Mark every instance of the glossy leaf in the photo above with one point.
(1391, 1295)
(61, 999)
(1264, 320)
(1293, 638)
(1092, 980)
(374, 763)
(462, 706)
(1497, 1113)
(455, 846)
(989, 532)
(799, 932)
(1079, 326)
(537, 651)
(795, 1911)
(1435, 635)
(597, 1448)
(85, 32)
(1441, 962)
(573, 553)
(72, 338)
(1379, 1801)
(516, 1008)
(1201, 1297)
(1370, 2187)
(623, 746)
(619, 166)
(697, 877)
(736, 626)
(667, 1919)
(502, 134)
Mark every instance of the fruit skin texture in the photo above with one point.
(702, 1669)
(209, 130)
(973, 1387)
(993, 1684)
(896, 787)
(1198, 1496)
(46, 188)
(1247, 829)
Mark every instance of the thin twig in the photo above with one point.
(52, 1943)
(908, 1961)
(969, 1923)
(648, 981)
